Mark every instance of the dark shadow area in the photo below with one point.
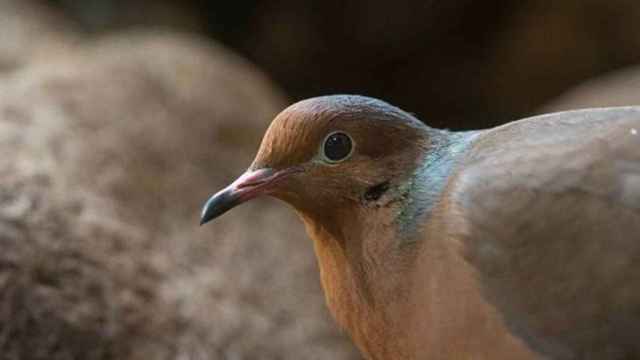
(457, 64)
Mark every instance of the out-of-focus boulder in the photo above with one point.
(32, 31)
(108, 154)
(619, 88)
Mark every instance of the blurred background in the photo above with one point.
(456, 63)
(119, 118)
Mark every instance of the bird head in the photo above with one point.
(331, 157)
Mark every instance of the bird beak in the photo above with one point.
(251, 184)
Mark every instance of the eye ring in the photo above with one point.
(337, 147)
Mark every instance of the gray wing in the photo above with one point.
(552, 213)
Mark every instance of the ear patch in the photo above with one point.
(376, 191)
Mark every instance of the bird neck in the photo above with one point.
(365, 252)
(361, 292)
(425, 186)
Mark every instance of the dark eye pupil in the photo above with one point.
(337, 146)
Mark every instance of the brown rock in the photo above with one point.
(619, 88)
(32, 31)
(110, 151)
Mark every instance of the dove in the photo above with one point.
(516, 242)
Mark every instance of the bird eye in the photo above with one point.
(337, 147)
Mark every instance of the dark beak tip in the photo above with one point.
(207, 214)
(217, 205)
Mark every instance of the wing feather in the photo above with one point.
(552, 213)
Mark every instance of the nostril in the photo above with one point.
(252, 183)
(254, 178)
